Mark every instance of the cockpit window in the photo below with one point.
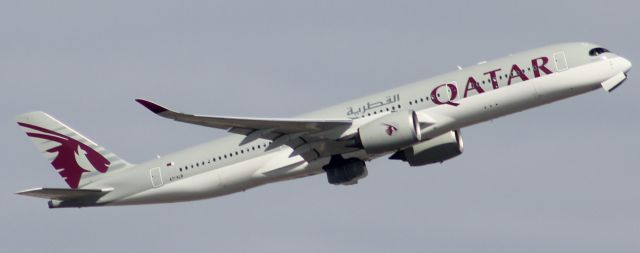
(597, 51)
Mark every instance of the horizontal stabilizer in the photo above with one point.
(64, 194)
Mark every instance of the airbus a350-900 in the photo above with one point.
(418, 123)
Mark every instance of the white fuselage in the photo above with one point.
(227, 166)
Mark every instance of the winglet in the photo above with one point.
(155, 108)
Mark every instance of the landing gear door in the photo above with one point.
(156, 177)
(561, 61)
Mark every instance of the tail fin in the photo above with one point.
(74, 156)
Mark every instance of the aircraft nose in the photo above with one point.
(625, 64)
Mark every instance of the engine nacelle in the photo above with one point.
(438, 149)
(390, 132)
(345, 171)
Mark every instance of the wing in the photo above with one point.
(305, 136)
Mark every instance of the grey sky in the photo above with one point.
(561, 178)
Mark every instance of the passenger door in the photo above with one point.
(561, 61)
(156, 177)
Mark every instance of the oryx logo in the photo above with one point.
(390, 130)
(73, 157)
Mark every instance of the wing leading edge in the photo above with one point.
(302, 135)
(289, 126)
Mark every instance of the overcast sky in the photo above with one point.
(560, 178)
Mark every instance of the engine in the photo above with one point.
(391, 132)
(345, 171)
(438, 149)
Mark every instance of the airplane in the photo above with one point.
(418, 123)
